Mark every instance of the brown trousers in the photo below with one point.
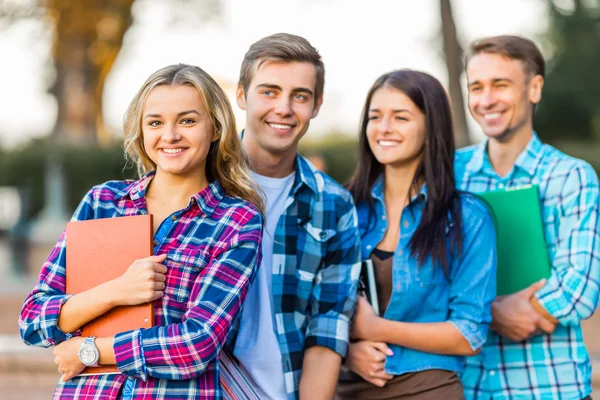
(432, 384)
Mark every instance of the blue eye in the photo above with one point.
(300, 96)
(267, 92)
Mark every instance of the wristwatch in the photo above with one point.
(88, 352)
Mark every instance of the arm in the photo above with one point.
(332, 303)
(183, 350)
(472, 290)
(38, 322)
(320, 370)
(572, 291)
(141, 283)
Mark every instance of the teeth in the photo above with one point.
(172, 151)
(386, 143)
(280, 126)
(492, 115)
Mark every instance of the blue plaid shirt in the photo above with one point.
(553, 366)
(316, 264)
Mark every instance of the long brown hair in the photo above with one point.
(226, 160)
(436, 167)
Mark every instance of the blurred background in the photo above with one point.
(70, 67)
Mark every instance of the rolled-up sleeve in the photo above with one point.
(571, 293)
(473, 286)
(184, 350)
(334, 294)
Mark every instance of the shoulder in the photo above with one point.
(465, 154)
(559, 164)
(473, 210)
(111, 190)
(238, 211)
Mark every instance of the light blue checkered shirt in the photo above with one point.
(553, 366)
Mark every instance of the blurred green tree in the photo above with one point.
(87, 38)
(570, 109)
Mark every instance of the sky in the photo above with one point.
(358, 40)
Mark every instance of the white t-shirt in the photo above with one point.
(257, 346)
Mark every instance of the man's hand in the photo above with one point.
(514, 317)
(65, 356)
(367, 359)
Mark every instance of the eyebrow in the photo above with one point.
(277, 87)
(496, 80)
(180, 114)
(398, 111)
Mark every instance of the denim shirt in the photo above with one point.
(424, 294)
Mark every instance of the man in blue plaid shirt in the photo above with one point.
(535, 349)
(294, 329)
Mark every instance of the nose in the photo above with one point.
(170, 134)
(385, 126)
(487, 99)
(283, 107)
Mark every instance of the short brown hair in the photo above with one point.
(282, 47)
(513, 47)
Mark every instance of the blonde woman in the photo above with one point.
(180, 131)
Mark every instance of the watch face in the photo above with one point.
(88, 355)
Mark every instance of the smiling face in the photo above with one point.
(502, 94)
(177, 130)
(279, 103)
(395, 129)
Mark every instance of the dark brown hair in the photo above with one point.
(282, 47)
(436, 167)
(513, 47)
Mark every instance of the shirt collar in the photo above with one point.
(207, 199)
(377, 191)
(307, 175)
(528, 160)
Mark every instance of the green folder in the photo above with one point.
(522, 253)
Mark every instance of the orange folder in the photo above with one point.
(100, 250)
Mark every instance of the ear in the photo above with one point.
(535, 89)
(318, 103)
(240, 96)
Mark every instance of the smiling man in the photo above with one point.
(535, 349)
(294, 329)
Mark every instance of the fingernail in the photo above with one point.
(390, 352)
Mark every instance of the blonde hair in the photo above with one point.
(282, 47)
(226, 161)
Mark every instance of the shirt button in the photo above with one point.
(399, 252)
(406, 224)
(174, 218)
(383, 218)
(156, 242)
(398, 287)
(322, 235)
(369, 246)
(492, 373)
(501, 186)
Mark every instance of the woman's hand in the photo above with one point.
(65, 356)
(367, 359)
(365, 320)
(144, 281)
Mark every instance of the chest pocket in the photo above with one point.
(310, 257)
(183, 268)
